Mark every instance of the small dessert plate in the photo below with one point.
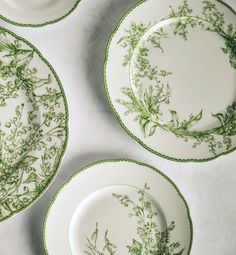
(36, 13)
(170, 76)
(103, 210)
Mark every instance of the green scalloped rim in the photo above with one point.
(117, 114)
(41, 24)
(58, 163)
(115, 161)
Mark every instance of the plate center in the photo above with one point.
(180, 68)
(115, 217)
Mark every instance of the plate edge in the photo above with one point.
(41, 24)
(58, 164)
(105, 86)
(116, 161)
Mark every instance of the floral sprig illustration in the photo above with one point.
(30, 143)
(92, 249)
(212, 21)
(150, 239)
(145, 103)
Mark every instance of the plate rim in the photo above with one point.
(119, 118)
(43, 24)
(118, 160)
(66, 108)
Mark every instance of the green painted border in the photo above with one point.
(59, 159)
(117, 161)
(118, 116)
(41, 24)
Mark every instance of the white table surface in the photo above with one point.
(75, 48)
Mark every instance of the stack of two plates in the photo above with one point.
(168, 63)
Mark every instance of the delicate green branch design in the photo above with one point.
(150, 239)
(109, 248)
(146, 103)
(23, 175)
(130, 41)
(212, 21)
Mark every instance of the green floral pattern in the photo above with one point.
(92, 246)
(146, 103)
(150, 241)
(33, 124)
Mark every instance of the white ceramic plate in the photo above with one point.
(33, 124)
(170, 77)
(103, 210)
(35, 13)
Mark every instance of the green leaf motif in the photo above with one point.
(146, 104)
(132, 38)
(33, 132)
(92, 247)
(135, 248)
(150, 239)
(28, 160)
(175, 119)
(31, 178)
(227, 120)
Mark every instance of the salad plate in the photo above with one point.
(33, 124)
(104, 210)
(170, 77)
(36, 13)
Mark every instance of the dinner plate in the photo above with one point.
(36, 13)
(170, 74)
(103, 210)
(33, 124)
